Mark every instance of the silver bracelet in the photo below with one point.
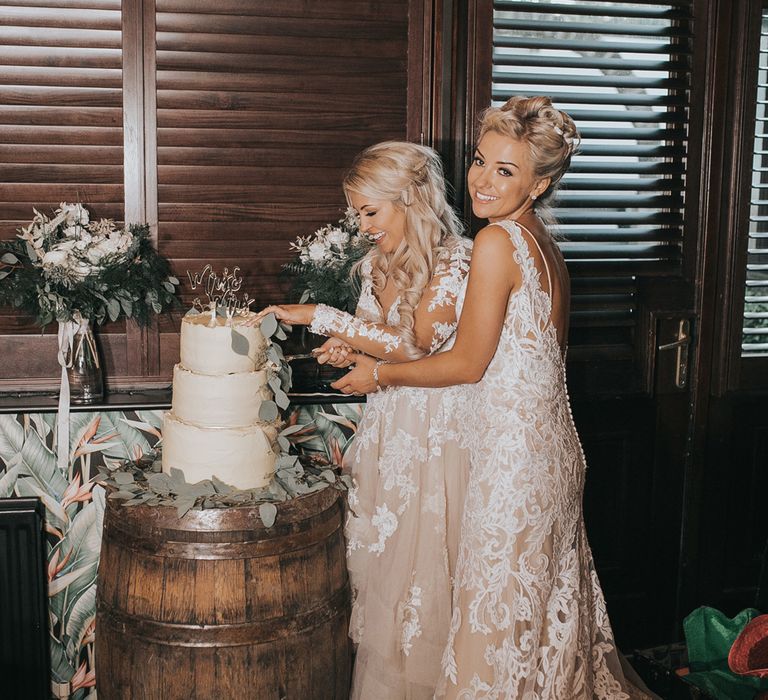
(378, 364)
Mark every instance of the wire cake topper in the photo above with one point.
(222, 293)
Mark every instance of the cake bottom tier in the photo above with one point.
(240, 457)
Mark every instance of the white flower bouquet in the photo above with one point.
(68, 268)
(322, 273)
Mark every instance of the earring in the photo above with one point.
(533, 197)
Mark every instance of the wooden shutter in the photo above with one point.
(261, 107)
(622, 70)
(61, 139)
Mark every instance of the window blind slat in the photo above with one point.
(614, 233)
(572, 183)
(557, 25)
(662, 47)
(628, 115)
(614, 9)
(602, 81)
(548, 61)
(631, 168)
(596, 98)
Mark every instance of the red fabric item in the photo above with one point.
(749, 654)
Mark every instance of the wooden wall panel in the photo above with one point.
(226, 126)
(261, 107)
(61, 139)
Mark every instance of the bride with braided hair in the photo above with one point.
(529, 619)
(409, 470)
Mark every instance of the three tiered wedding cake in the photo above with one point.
(214, 427)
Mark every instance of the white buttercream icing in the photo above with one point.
(213, 428)
(208, 350)
(241, 457)
(227, 400)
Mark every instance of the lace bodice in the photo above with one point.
(374, 330)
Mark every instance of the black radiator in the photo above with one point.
(24, 653)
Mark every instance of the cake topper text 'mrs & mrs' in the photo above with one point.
(222, 292)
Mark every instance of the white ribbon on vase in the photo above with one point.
(67, 332)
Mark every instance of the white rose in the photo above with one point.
(97, 252)
(338, 237)
(317, 252)
(55, 257)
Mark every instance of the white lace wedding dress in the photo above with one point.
(410, 475)
(529, 618)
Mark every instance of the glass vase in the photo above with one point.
(86, 382)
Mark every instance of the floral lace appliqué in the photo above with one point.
(327, 320)
(451, 276)
(410, 615)
(385, 521)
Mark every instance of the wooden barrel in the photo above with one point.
(215, 605)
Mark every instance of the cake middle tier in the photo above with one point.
(221, 401)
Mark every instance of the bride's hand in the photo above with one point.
(360, 380)
(294, 314)
(334, 352)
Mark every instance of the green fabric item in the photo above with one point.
(710, 635)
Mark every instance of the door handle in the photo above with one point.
(681, 345)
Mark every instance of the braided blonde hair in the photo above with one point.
(411, 177)
(550, 134)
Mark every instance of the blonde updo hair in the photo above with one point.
(411, 177)
(550, 134)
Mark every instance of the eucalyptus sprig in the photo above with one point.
(142, 482)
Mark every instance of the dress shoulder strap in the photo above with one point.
(543, 257)
(515, 229)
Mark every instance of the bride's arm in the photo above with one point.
(434, 318)
(493, 275)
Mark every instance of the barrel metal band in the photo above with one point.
(224, 550)
(242, 634)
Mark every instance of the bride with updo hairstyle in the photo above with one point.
(408, 464)
(529, 620)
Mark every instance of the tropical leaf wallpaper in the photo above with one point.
(74, 506)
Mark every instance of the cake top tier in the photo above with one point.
(223, 348)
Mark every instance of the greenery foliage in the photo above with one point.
(322, 273)
(65, 267)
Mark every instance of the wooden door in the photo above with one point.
(724, 543)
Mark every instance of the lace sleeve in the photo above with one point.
(435, 318)
(339, 324)
(450, 276)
